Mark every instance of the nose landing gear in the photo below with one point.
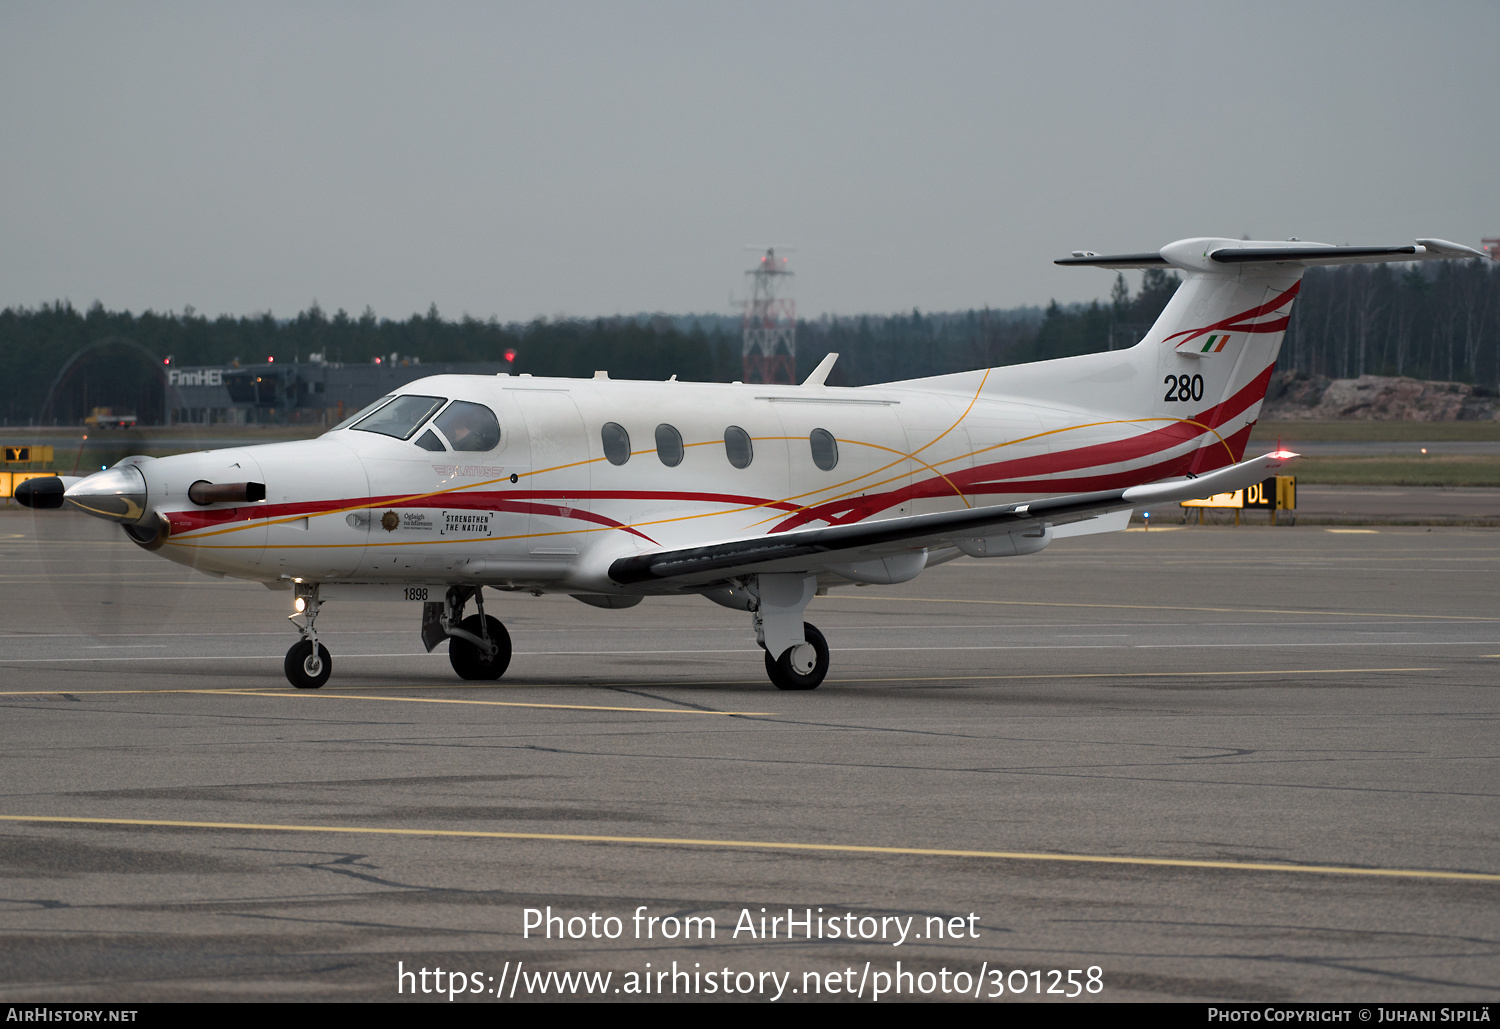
(307, 664)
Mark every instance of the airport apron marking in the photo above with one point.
(835, 848)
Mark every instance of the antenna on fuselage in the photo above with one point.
(819, 376)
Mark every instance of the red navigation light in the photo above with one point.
(270, 360)
(377, 360)
(510, 355)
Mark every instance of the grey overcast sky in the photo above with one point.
(582, 158)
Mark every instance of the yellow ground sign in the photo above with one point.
(28, 455)
(1278, 493)
(1235, 499)
(10, 480)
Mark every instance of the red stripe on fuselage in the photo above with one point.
(1017, 475)
(1234, 323)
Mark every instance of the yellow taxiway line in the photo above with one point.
(408, 700)
(486, 703)
(835, 848)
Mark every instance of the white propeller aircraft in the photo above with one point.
(754, 496)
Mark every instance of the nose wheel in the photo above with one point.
(308, 665)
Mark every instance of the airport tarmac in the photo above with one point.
(1209, 764)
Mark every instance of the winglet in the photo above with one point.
(819, 374)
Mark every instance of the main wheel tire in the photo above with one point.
(780, 669)
(469, 661)
(306, 670)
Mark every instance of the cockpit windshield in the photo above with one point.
(357, 415)
(401, 417)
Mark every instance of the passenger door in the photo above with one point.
(556, 487)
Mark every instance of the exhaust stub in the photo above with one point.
(203, 493)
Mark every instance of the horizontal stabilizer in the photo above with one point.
(1421, 250)
(1225, 480)
(1092, 260)
(1226, 254)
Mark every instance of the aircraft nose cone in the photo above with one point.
(118, 494)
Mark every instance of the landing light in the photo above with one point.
(300, 605)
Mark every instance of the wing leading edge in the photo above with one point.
(812, 550)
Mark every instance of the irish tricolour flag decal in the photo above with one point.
(1211, 345)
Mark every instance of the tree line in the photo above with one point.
(1438, 321)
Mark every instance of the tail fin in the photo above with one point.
(1207, 361)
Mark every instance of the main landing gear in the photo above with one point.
(801, 667)
(478, 646)
(796, 652)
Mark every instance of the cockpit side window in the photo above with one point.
(469, 426)
(401, 417)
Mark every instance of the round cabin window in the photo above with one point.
(737, 446)
(825, 449)
(616, 442)
(668, 445)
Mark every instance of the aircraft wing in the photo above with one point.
(813, 550)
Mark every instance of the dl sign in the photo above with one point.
(1261, 496)
(1278, 493)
